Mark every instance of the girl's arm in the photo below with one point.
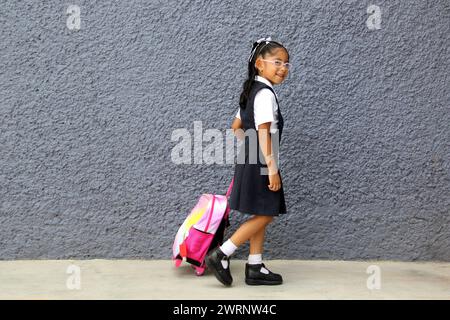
(266, 147)
(237, 124)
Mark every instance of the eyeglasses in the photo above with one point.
(279, 63)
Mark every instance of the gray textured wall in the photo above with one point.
(87, 117)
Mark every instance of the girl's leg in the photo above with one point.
(256, 247)
(250, 228)
(256, 272)
(257, 241)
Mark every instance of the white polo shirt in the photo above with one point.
(265, 107)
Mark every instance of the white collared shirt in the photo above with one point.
(265, 107)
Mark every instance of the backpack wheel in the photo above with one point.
(199, 271)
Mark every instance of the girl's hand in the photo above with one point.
(275, 182)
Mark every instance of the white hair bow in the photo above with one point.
(266, 40)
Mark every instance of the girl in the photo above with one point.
(254, 192)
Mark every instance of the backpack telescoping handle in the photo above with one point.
(227, 212)
(230, 188)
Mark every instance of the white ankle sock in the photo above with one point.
(228, 248)
(255, 258)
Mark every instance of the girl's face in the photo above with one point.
(268, 69)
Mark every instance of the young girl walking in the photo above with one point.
(256, 192)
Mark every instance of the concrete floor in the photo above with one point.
(159, 279)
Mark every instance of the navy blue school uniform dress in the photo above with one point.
(250, 193)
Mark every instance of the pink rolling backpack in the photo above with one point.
(202, 230)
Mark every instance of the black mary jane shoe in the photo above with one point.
(254, 276)
(213, 262)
